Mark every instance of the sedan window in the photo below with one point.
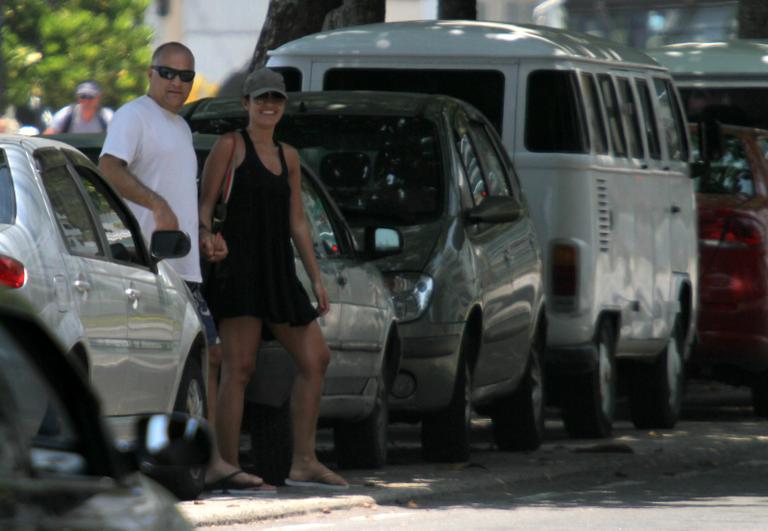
(730, 174)
(124, 246)
(71, 211)
(7, 200)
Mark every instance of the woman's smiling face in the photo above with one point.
(265, 110)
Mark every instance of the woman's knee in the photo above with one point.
(316, 363)
(240, 365)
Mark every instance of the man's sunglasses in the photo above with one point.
(166, 72)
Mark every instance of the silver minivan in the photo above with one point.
(467, 285)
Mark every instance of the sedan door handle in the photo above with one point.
(82, 285)
(675, 209)
(133, 294)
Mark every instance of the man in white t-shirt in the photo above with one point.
(85, 116)
(149, 158)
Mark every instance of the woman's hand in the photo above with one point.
(213, 247)
(322, 297)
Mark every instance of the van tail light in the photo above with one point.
(565, 276)
(726, 228)
(12, 272)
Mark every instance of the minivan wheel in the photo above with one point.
(271, 441)
(518, 419)
(445, 435)
(186, 482)
(656, 389)
(590, 400)
(363, 444)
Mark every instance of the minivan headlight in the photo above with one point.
(411, 293)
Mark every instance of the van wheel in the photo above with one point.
(186, 482)
(760, 395)
(656, 389)
(445, 435)
(590, 400)
(363, 444)
(271, 441)
(518, 419)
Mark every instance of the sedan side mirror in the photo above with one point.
(169, 244)
(382, 241)
(496, 209)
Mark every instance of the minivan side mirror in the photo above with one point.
(169, 244)
(382, 241)
(711, 145)
(496, 209)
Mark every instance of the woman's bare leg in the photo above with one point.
(307, 346)
(240, 338)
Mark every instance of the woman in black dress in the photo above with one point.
(257, 282)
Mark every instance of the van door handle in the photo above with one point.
(132, 294)
(341, 280)
(675, 209)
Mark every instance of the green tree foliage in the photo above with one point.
(49, 46)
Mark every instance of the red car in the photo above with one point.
(732, 196)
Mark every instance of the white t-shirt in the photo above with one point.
(77, 124)
(157, 146)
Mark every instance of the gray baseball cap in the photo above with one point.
(263, 80)
(89, 89)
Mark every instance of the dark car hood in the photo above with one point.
(418, 244)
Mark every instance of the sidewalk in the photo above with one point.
(689, 445)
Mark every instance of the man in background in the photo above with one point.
(85, 116)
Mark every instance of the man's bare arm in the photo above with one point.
(131, 188)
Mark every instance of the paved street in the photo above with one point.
(718, 435)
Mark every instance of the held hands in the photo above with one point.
(322, 297)
(213, 246)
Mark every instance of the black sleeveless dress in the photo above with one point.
(258, 276)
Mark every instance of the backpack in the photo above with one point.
(67, 125)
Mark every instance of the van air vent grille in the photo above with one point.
(604, 221)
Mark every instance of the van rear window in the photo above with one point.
(554, 114)
(482, 88)
(291, 76)
(7, 198)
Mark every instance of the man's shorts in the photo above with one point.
(206, 319)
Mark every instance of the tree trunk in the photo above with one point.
(290, 19)
(457, 9)
(753, 19)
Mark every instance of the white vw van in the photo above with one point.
(596, 133)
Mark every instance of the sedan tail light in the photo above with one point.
(12, 272)
(727, 228)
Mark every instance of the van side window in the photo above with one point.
(554, 114)
(651, 130)
(614, 118)
(670, 117)
(629, 111)
(594, 113)
(494, 170)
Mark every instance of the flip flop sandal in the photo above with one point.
(227, 485)
(317, 483)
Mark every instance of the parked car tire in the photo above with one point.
(271, 441)
(656, 389)
(445, 435)
(363, 444)
(187, 482)
(590, 400)
(518, 419)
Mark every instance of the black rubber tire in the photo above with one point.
(518, 419)
(760, 395)
(656, 389)
(363, 444)
(590, 398)
(445, 435)
(186, 483)
(271, 441)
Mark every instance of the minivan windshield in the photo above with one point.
(377, 168)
